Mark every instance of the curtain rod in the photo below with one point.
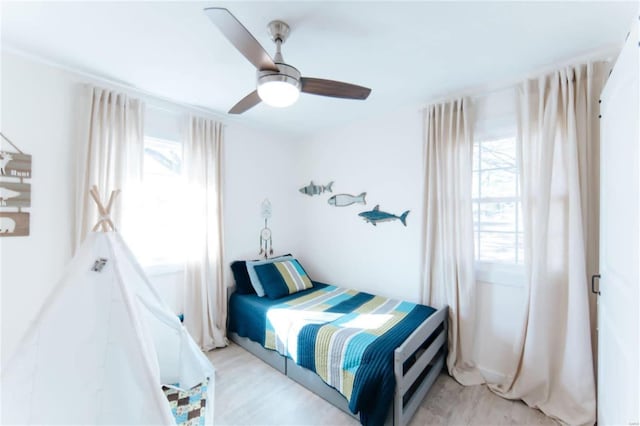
(113, 83)
(160, 101)
(607, 53)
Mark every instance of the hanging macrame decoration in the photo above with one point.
(266, 247)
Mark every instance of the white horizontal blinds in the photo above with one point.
(496, 202)
(160, 123)
(159, 206)
(497, 213)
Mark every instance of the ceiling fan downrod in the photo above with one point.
(279, 31)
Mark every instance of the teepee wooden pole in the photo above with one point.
(105, 219)
(96, 197)
(112, 199)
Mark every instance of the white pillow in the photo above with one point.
(255, 282)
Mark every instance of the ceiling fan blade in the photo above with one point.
(335, 89)
(241, 38)
(246, 103)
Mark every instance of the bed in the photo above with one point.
(389, 352)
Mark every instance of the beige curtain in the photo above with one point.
(553, 366)
(205, 303)
(110, 155)
(448, 271)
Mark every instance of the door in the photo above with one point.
(619, 300)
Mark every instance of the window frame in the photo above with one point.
(510, 274)
(160, 267)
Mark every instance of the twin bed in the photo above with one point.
(365, 354)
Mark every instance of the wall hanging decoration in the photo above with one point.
(343, 200)
(313, 189)
(376, 215)
(266, 246)
(15, 194)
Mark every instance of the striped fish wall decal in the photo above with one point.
(313, 189)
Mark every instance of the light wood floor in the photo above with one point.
(249, 392)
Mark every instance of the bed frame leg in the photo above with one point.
(397, 396)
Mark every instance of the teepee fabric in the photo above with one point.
(101, 348)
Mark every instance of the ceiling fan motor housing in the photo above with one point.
(287, 74)
(279, 89)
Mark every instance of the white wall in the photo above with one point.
(260, 166)
(499, 316)
(384, 157)
(40, 110)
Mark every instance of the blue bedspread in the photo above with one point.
(346, 337)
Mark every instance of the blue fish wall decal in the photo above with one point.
(343, 200)
(313, 189)
(376, 215)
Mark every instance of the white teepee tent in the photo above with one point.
(102, 347)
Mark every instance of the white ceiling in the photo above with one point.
(407, 52)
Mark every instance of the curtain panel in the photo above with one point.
(110, 155)
(448, 263)
(552, 368)
(205, 299)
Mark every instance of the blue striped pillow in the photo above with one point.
(253, 277)
(282, 278)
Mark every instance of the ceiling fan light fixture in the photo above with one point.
(278, 94)
(279, 89)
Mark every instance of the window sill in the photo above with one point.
(500, 274)
(163, 269)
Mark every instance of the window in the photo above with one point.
(497, 212)
(157, 235)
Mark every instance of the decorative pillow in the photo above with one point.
(282, 278)
(241, 276)
(253, 277)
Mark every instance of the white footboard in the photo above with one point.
(426, 347)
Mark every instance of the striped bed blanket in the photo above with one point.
(348, 339)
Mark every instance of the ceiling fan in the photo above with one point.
(278, 84)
